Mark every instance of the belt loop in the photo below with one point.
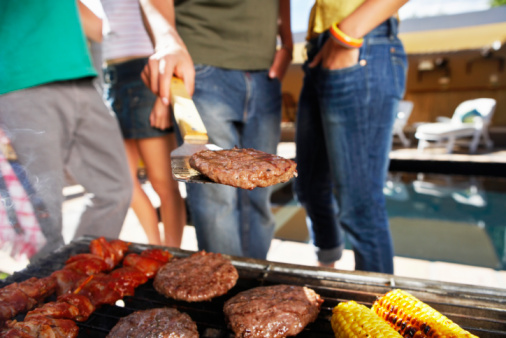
(392, 25)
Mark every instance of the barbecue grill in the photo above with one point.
(482, 311)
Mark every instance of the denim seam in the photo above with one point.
(247, 81)
(398, 62)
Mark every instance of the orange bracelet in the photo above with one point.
(343, 39)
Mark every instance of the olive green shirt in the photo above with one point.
(231, 34)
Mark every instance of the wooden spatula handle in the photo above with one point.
(187, 117)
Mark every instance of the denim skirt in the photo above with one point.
(130, 99)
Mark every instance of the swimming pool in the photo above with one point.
(449, 218)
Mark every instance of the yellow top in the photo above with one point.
(326, 12)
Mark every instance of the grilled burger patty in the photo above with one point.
(155, 323)
(243, 168)
(195, 278)
(272, 311)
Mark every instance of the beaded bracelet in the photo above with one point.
(343, 39)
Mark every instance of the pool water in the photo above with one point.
(458, 219)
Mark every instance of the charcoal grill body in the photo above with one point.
(482, 311)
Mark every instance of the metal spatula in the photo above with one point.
(193, 132)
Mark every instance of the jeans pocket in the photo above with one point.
(341, 87)
(203, 71)
(343, 71)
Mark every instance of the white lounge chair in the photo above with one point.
(468, 126)
(403, 114)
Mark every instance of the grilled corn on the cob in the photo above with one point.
(350, 319)
(413, 318)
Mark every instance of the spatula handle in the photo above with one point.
(187, 117)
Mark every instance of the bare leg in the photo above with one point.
(141, 204)
(155, 153)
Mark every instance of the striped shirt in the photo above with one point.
(124, 32)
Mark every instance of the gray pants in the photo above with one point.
(66, 126)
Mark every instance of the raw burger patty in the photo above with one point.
(272, 311)
(199, 277)
(154, 323)
(243, 168)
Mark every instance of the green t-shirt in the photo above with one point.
(41, 41)
(231, 34)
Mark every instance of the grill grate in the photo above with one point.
(481, 311)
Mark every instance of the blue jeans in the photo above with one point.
(240, 109)
(343, 137)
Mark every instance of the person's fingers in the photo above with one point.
(273, 70)
(153, 75)
(317, 59)
(165, 70)
(282, 60)
(160, 115)
(145, 75)
(163, 122)
(160, 121)
(170, 123)
(156, 121)
(154, 115)
(188, 77)
(152, 120)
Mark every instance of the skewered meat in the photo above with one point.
(41, 326)
(82, 256)
(66, 280)
(120, 247)
(126, 278)
(199, 277)
(82, 303)
(59, 309)
(20, 297)
(164, 322)
(98, 290)
(243, 168)
(157, 254)
(148, 266)
(57, 319)
(111, 252)
(108, 288)
(88, 266)
(272, 311)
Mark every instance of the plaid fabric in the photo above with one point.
(20, 231)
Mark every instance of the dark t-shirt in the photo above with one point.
(232, 34)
